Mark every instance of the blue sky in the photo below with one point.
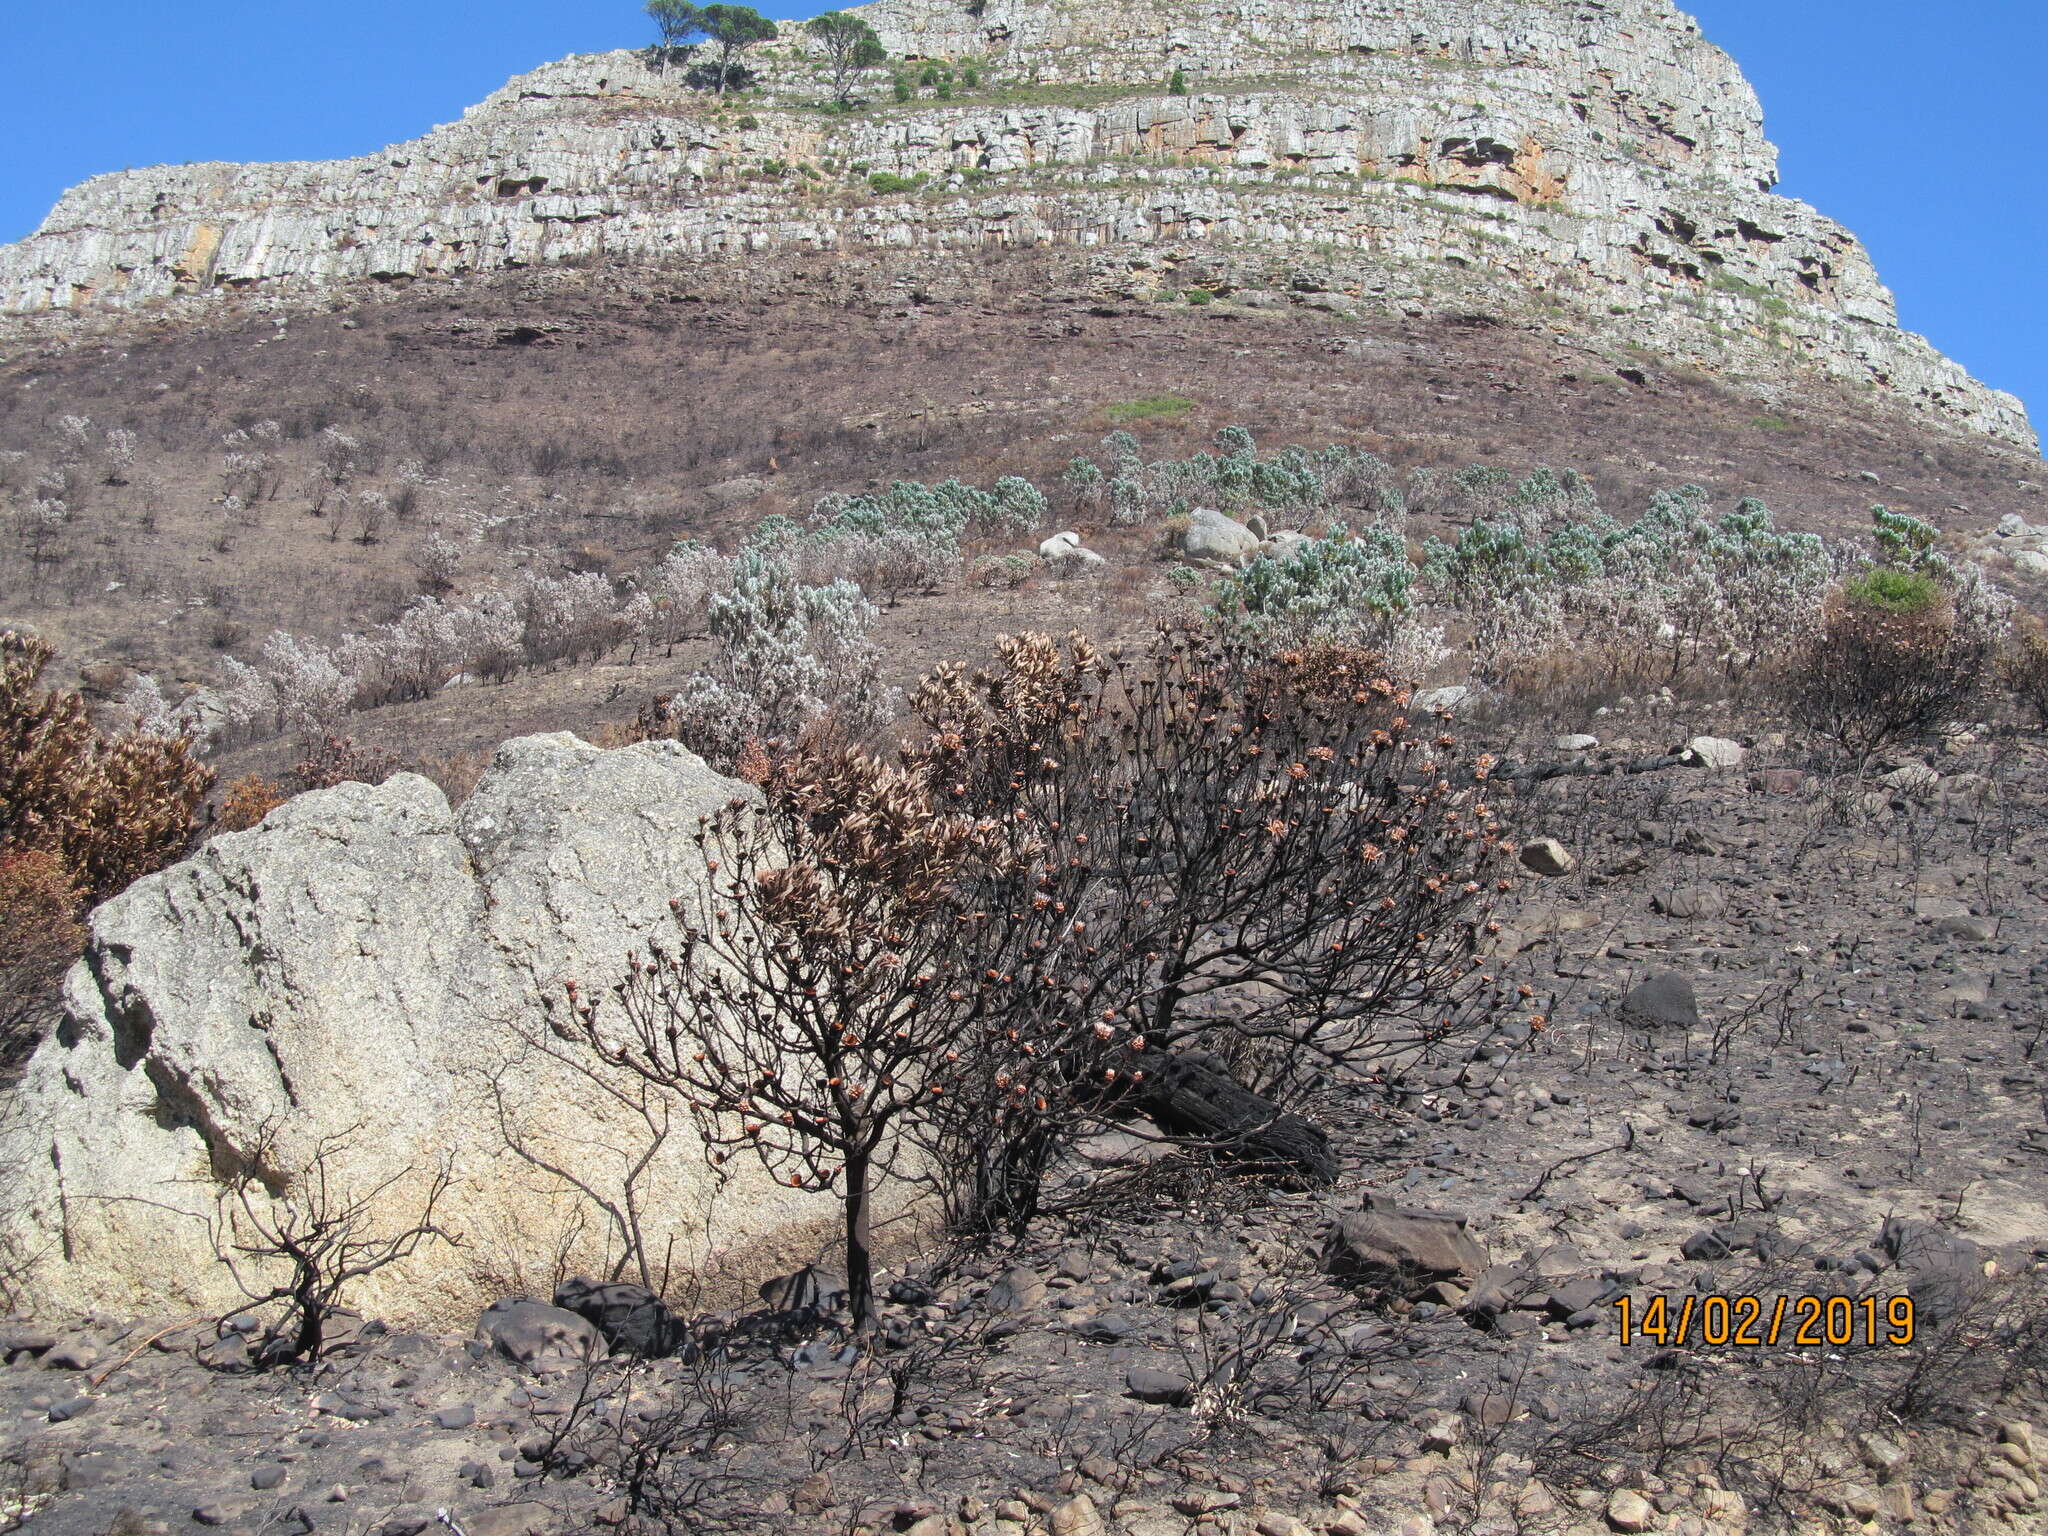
(1915, 125)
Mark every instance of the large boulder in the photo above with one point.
(368, 975)
(1212, 536)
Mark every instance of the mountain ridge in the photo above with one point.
(1599, 167)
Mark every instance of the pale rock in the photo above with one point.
(1547, 856)
(1629, 1511)
(1280, 545)
(1212, 536)
(358, 971)
(1059, 546)
(1713, 752)
(1576, 743)
(540, 1337)
(1449, 699)
(2031, 562)
(1077, 1517)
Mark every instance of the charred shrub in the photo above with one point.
(1895, 658)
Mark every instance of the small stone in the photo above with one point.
(1881, 1455)
(458, 1416)
(1077, 1517)
(1970, 930)
(266, 1477)
(1448, 699)
(1018, 1290)
(1282, 1525)
(226, 1354)
(71, 1408)
(1534, 1502)
(1576, 743)
(1149, 1384)
(1691, 901)
(1705, 1246)
(1547, 856)
(1713, 752)
(1723, 1504)
(1628, 1510)
(1664, 998)
(1444, 1435)
(509, 1520)
(76, 1353)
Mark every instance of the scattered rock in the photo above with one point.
(633, 1319)
(538, 1336)
(1667, 997)
(1628, 1510)
(1059, 546)
(1212, 536)
(1691, 901)
(812, 1291)
(1449, 699)
(1547, 856)
(1077, 1517)
(75, 1353)
(1576, 743)
(1017, 1290)
(1713, 752)
(1388, 1248)
(1150, 1384)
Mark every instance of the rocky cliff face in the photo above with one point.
(1595, 162)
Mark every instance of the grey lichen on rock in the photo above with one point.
(1598, 170)
(365, 968)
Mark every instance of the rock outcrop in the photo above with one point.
(370, 969)
(1596, 168)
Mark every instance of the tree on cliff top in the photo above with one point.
(679, 21)
(733, 29)
(850, 46)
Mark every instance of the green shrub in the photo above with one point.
(1199, 296)
(1891, 591)
(900, 88)
(1151, 408)
(747, 122)
(888, 182)
(1178, 85)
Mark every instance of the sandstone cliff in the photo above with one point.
(1595, 164)
(365, 965)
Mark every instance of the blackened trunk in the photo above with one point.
(860, 1266)
(1196, 1097)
